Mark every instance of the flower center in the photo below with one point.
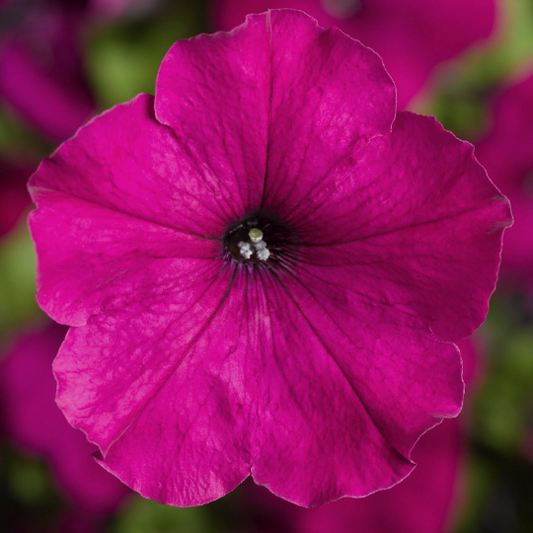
(259, 239)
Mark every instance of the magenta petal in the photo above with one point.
(227, 76)
(14, 198)
(118, 215)
(180, 396)
(120, 259)
(305, 110)
(383, 381)
(413, 223)
(111, 368)
(41, 65)
(54, 108)
(329, 95)
(126, 161)
(421, 504)
(412, 36)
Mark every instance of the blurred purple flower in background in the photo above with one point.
(507, 154)
(412, 36)
(41, 64)
(265, 267)
(34, 423)
(113, 9)
(14, 197)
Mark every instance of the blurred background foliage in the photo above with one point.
(121, 57)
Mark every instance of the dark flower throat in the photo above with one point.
(260, 239)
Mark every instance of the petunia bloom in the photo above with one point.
(412, 36)
(264, 267)
(506, 151)
(34, 423)
(41, 74)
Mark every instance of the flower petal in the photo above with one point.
(413, 223)
(170, 413)
(329, 95)
(124, 196)
(108, 370)
(227, 77)
(126, 161)
(118, 259)
(423, 503)
(360, 383)
(190, 371)
(506, 153)
(412, 36)
(54, 100)
(296, 113)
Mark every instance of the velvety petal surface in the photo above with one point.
(129, 205)
(238, 399)
(423, 503)
(412, 36)
(412, 224)
(329, 96)
(178, 403)
(362, 386)
(111, 368)
(33, 422)
(307, 98)
(426, 502)
(243, 397)
(213, 91)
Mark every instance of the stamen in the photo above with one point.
(245, 249)
(263, 254)
(259, 238)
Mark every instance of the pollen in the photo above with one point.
(245, 249)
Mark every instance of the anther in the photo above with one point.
(245, 249)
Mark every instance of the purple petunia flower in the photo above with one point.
(41, 74)
(264, 267)
(14, 199)
(112, 9)
(412, 36)
(33, 422)
(507, 153)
